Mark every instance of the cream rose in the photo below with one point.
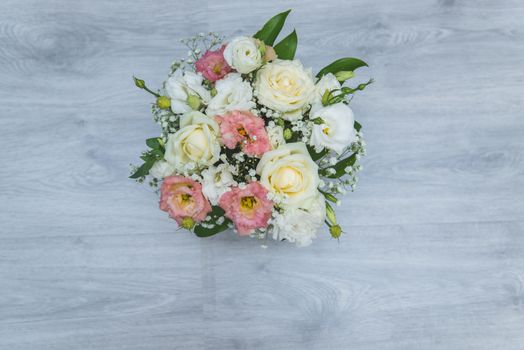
(242, 53)
(336, 131)
(289, 173)
(195, 145)
(285, 86)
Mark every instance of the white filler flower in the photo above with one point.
(232, 94)
(186, 91)
(276, 135)
(300, 225)
(161, 169)
(285, 86)
(243, 55)
(336, 131)
(217, 180)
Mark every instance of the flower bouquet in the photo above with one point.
(251, 140)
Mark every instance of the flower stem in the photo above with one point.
(151, 92)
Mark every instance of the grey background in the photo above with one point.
(433, 254)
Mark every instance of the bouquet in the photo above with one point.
(252, 140)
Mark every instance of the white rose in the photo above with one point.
(285, 86)
(161, 169)
(186, 91)
(289, 173)
(232, 94)
(217, 180)
(242, 54)
(328, 83)
(300, 225)
(195, 145)
(337, 130)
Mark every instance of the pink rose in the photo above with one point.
(244, 128)
(212, 65)
(248, 208)
(182, 198)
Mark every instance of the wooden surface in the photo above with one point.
(433, 255)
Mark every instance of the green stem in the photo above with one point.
(151, 92)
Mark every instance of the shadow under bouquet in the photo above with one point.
(252, 140)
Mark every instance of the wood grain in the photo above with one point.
(433, 254)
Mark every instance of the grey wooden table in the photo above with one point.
(433, 255)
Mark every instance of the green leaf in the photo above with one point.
(316, 155)
(144, 169)
(156, 154)
(272, 28)
(153, 154)
(343, 64)
(201, 231)
(286, 48)
(149, 158)
(342, 165)
(357, 126)
(154, 143)
(208, 232)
